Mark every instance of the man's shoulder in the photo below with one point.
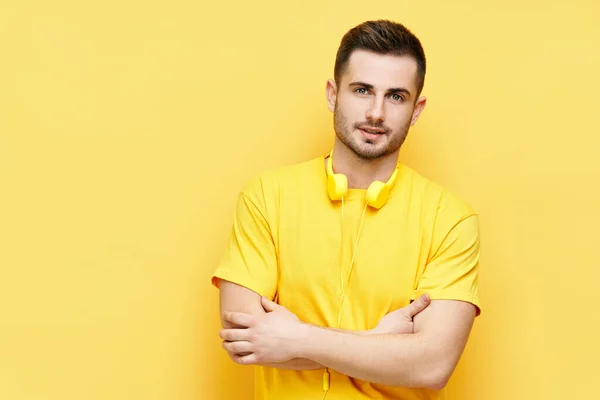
(437, 197)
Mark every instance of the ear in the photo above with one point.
(331, 94)
(418, 109)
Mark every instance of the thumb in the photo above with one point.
(269, 305)
(418, 305)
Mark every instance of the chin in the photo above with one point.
(364, 148)
(369, 152)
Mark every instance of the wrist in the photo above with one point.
(302, 347)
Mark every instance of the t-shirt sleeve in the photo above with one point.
(250, 258)
(452, 272)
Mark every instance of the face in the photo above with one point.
(374, 103)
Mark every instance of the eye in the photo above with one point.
(396, 97)
(361, 90)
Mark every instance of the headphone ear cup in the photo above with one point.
(337, 186)
(377, 194)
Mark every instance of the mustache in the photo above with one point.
(364, 125)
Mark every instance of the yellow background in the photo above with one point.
(127, 128)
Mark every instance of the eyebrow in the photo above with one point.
(391, 90)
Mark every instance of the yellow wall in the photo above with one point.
(126, 129)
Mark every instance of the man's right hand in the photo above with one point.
(401, 320)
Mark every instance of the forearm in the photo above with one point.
(303, 364)
(406, 360)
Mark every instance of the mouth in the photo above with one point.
(372, 133)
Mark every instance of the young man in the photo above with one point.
(327, 257)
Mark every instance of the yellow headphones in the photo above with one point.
(377, 192)
(376, 196)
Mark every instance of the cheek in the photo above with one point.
(398, 117)
(353, 110)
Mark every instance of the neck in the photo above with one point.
(361, 172)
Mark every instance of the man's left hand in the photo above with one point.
(263, 339)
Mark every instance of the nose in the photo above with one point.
(375, 112)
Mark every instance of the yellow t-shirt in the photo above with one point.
(286, 244)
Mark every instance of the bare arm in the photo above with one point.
(426, 358)
(238, 300)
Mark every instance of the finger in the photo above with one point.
(239, 319)
(418, 305)
(234, 334)
(245, 360)
(238, 347)
(269, 305)
(231, 355)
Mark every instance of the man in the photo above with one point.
(351, 276)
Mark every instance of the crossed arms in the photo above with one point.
(416, 346)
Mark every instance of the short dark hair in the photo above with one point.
(382, 37)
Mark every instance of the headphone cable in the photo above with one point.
(326, 374)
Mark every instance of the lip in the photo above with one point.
(372, 133)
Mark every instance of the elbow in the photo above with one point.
(436, 376)
(427, 376)
(433, 380)
(437, 383)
